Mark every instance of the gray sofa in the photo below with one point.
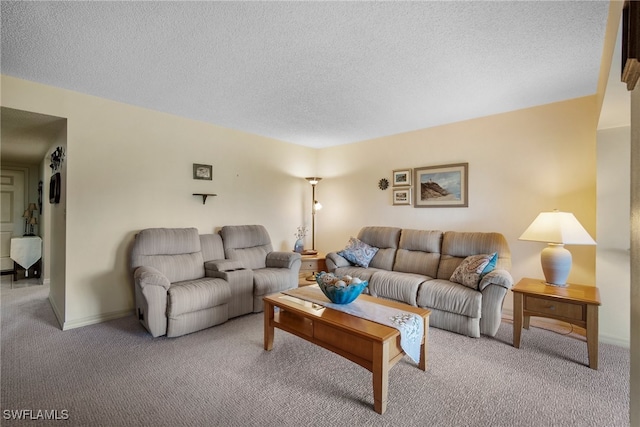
(184, 283)
(415, 267)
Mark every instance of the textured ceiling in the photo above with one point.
(312, 73)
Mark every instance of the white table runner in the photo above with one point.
(26, 251)
(410, 325)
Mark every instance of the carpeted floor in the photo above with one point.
(115, 374)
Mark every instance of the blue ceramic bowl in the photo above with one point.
(342, 294)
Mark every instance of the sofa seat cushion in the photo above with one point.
(401, 287)
(354, 271)
(451, 297)
(193, 295)
(268, 281)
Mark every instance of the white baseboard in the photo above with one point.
(607, 339)
(56, 311)
(92, 320)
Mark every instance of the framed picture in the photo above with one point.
(401, 177)
(402, 196)
(54, 188)
(202, 172)
(445, 186)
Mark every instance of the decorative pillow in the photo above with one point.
(470, 270)
(358, 252)
(491, 265)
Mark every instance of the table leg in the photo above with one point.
(380, 376)
(517, 318)
(424, 348)
(592, 335)
(268, 325)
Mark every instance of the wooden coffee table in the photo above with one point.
(371, 345)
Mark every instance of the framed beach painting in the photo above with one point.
(445, 186)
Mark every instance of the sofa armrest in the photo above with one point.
(282, 259)
(334, 261)
(221, 265)
(498, 277)
(149, 276)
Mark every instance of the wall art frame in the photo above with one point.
(201, 171)
(401, 178)
(442, 186)
(402, 196)
(55, 187)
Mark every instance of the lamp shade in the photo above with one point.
(313, 180)
(33, 221)
(557, 227)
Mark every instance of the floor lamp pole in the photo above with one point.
(313, 217)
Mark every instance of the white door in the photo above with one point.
(11, 209)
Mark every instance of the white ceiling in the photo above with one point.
(312, 73)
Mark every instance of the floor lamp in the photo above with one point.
(315, 206)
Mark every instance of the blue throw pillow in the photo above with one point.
(491, 266)
(358, 252)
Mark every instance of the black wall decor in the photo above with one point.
(54, 188)
(56, 159)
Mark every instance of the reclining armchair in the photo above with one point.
(272, 271)
(173, 294)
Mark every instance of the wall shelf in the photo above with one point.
(204, 196)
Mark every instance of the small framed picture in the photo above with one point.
(445, 186)
(202, 172)
(402, 196)
(402, 177)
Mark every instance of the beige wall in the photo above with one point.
(612, 254)
(635, 257)
(55, 233)
(520, 163)
(128, 168)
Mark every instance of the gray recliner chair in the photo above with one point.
(173, 294)
(272, 271)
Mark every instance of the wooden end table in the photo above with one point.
(311, 264)
(371, 345)
(573, 303)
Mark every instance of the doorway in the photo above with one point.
(28, 138)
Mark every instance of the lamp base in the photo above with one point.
(556, 264)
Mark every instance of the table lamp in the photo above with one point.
(33, 221)
(556, 229)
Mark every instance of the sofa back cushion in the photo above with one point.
(419, 252)
(176, 252)
(386, 239)
(456, 246)
(212, 248)
(248, 244)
